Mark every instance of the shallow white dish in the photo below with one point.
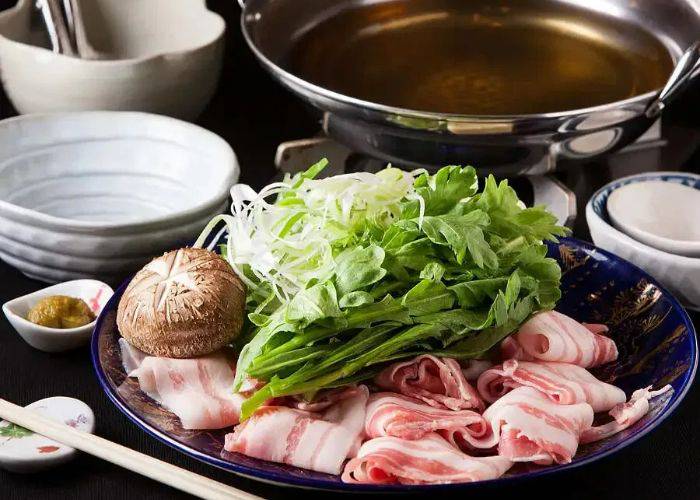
(95, 294)
(165, 57)
(97, 194)
(24, 451)
(664, 215)
(679, 273)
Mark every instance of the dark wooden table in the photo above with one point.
(255, 115)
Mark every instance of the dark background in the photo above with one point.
(255, 115)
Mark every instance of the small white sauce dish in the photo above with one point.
(680, 273)
(660, 214)
(93, 292)
(24, 451)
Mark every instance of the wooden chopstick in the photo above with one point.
(127, 458)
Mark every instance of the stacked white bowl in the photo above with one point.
(653, 226)
(98, 194)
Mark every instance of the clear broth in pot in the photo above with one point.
(480, 57)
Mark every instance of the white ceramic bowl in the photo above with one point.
(660, 214)
(93, 292)
(680, 274)
(165, 57)
(97, 194)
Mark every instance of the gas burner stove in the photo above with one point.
(551, 190)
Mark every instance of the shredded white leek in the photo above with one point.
(284, 235)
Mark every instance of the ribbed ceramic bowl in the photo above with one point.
(97, 194)
(679, 273)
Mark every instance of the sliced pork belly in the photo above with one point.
(436, 381)
(511, 349)
(302, 438)
(131, 356)
(563, 382)
(199, 390)
(431, 459)
(528, 427)
(390, 414)
(552, 336)
(624, 415)
(473, 368)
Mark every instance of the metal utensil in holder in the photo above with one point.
(66, 30)
(60, 25)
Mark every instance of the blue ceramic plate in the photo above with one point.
(653, 332)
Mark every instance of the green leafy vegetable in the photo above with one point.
(349, 272)
(356, 268)
(463, 234)
(318, 302)
(442, 191)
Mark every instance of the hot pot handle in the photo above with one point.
(684, 72)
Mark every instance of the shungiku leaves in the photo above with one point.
(349, 272)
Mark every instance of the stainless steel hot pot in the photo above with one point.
(507, 144)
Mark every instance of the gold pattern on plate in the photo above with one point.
(664, 347)
(680, 369)
(650, 323)
(633, 302)
(570, 260)
(631, 322)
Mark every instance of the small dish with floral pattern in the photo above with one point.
(22, 450)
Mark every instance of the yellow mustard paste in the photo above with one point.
(60, 311)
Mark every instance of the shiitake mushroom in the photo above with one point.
(186, 303)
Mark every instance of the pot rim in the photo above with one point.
(280, 72)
